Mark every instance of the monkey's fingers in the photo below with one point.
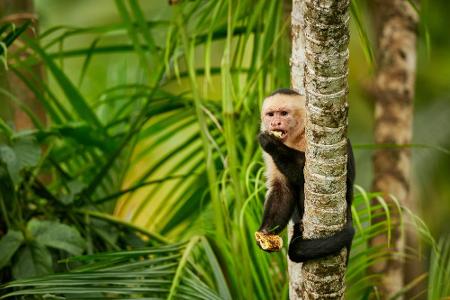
(269, 242)
(268, 142)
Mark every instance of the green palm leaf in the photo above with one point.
(155, 273)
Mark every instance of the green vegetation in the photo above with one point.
(147, 181)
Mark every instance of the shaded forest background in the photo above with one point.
(432, 100)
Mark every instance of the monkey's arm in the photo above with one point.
(301, 250)
(289, 161)
(278, 208)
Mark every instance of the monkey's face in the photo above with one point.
(278, 122)
(283, 116)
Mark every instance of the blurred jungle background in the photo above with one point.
(129, 162)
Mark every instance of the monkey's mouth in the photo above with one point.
(278, 133)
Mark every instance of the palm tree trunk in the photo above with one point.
(326, 69)
(297, 63)
(396, 24)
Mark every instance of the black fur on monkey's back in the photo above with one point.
(285, 201)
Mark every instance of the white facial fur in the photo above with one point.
(283, 116)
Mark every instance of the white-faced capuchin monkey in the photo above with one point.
(282, 138)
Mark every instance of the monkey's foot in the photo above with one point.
(269, 242)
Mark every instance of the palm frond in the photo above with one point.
(155, 273)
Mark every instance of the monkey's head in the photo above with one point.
(283, 115)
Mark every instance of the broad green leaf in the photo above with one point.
(75, 187)
(9, 157)
(57, 235)
(24, 153)
(32, 260)
(9, 245)
(27, 152)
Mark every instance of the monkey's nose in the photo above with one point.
(276, 123)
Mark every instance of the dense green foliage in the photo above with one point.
(154, 117)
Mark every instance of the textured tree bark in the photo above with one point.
(19, 11)
(297, 63)
(396, 25)
(326, 69)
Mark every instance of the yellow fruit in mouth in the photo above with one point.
(277, 133)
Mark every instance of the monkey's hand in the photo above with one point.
(268, 242)
(269, 142)
(288, 160)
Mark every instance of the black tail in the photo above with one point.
(301, 250)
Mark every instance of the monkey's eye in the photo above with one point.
(284, 113)
(270, 114)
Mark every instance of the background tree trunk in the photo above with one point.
(297, 63)
(19, 11)
(396, 25)
(326, 69)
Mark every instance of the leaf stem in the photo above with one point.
(176, 279)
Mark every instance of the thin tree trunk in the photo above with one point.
(19, 11)
(326, 69)
(298, 48)
(396, 24)
(297, 63)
